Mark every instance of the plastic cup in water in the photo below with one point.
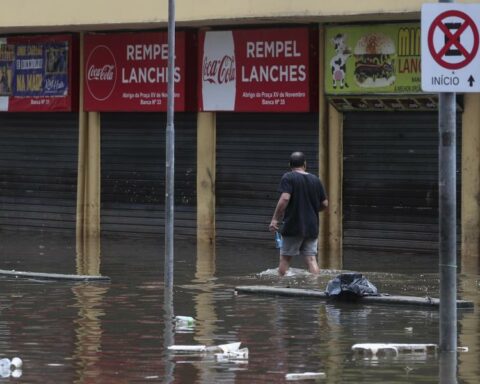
(5, 363)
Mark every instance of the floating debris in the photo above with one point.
(305, 376)
(184, 323)
(240, 354)
(222, 348)
(389, 348)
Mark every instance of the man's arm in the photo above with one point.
(279, 211)
(324, 205)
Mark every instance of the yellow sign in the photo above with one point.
(373, 59)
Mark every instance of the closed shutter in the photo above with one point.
(390, 182)
(253, 152)
(133, 173)
(38, 170)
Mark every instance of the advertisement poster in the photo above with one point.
(35, 73)
(262, 70)
(373, 59)
(129, 72)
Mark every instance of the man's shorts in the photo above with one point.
(297, 245)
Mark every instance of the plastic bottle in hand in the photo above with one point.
(278, 240)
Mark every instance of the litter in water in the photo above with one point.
(305, 376)
(184, 323)
(232, 355)
(392, 348)
(222, 348)
(11, 367)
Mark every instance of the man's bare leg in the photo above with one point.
(312, 265)
(284, 264)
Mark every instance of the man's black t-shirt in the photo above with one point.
(306, 197)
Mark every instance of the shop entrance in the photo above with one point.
(390, 182)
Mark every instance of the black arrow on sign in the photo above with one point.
(471, 80)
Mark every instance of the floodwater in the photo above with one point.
(116, 332)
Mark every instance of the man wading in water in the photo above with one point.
(302, 198)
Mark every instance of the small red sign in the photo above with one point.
(129, 72)
(262, 70)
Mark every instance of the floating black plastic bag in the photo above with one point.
(350, 286)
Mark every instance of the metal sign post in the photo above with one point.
(448, 219)
(450, 63)
(170, 151)
(449, 49)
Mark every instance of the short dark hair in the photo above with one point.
(297, 159)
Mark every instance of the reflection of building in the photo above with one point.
(376, 150)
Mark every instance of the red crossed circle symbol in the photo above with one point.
(453, 39)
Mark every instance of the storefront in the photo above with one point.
(39, 132)
(390, 138)
(260, 82)
(125, 79)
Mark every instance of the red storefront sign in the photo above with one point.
(37, 74)
(262, 70)
(129, 72)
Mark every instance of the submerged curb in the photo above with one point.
(53, 276)
(381, 299)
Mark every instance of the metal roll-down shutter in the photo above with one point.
(253, 152)
(390, 182)
(38, 170)
(133, 173)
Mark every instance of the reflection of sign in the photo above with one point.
(263, 70)
(372, 59)
(450, 42)
(129, 71)
(35, 73)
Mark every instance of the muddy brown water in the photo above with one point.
(115, 333)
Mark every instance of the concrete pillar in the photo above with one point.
(470, 209)
(334, 188)
(206, 169)
(322, 148)
(330, 157)
(88, 185)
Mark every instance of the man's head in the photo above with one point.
(297, 160)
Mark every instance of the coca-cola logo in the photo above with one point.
(219, 71)
(101, 73)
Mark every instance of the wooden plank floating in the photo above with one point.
(53, 276)
(382, 299)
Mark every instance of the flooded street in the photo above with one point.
(115, 332)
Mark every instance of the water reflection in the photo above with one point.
(88, 331)
(447, 373)
(168, 337)
(119, 332)
(88, 255)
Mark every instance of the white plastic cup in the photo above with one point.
(17, 362)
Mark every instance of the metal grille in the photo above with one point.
(133, 172)
(38, 170)
(390, 182)
(253, 151)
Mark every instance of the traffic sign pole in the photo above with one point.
(447, 220)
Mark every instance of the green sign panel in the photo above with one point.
(373, 59)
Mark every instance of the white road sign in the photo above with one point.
(450, 47)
